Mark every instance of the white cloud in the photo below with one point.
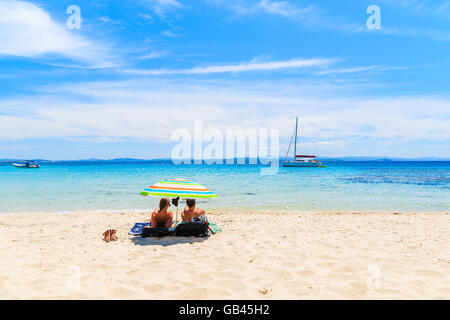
(347, 70)
(243, 67)
(366, 69)
(422, 7)
(153, 55)
(330, 118)
(28, 31)
(419, 29)
(411, 32)
(316, 17)
(146, 17)
(106, 19)
(285, 8)
(160, 7)
(282, 8)
(170, 34)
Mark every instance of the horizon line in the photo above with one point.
(124, 159)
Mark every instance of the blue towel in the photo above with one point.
(137, 228)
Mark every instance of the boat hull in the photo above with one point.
(301, 164)
(22, 166)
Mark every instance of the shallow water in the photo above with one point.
(342, 186)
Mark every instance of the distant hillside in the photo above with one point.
(355, 158)
(164, 160)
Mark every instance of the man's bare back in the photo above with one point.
(189, 213)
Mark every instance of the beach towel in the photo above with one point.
(137, 228)
(214, 227)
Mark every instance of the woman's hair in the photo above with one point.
(163, 203)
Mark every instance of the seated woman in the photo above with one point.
(191, 211)
(162, 217)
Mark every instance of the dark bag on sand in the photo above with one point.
(192, 230)
(156, 232)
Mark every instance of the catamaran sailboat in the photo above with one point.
(299, 159)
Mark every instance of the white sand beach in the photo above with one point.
(257, 256)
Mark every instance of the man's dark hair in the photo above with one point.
(190, 202)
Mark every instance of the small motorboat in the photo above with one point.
(26, 165)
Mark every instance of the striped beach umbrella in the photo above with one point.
(178, 188)
(182, 188)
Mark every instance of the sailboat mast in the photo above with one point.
(295, 145)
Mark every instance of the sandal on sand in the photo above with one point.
(113, 235)
(107, 236)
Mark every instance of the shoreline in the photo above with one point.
(230, 211)
(256, 256)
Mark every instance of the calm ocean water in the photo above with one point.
(343, 186)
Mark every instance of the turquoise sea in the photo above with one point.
(342, 186)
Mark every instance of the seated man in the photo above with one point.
(162, 217)
(190, 211)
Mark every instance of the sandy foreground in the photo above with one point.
(257, 256)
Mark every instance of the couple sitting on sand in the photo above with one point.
(164, 218)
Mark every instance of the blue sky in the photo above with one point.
(137, 70)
